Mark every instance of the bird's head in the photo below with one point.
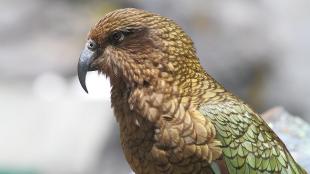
(137, 47)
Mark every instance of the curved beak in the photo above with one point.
(86, 58)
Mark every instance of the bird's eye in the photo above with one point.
(117, 37)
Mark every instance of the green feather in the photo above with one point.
(249, 145)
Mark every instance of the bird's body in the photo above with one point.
(174, 118)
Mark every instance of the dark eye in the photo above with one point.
(117, 37)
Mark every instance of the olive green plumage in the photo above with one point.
(174, 118)
(249, 145)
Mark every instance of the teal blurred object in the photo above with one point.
(17, 171)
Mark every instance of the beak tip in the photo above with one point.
(85, 89)
(82, 71)
(82, 82)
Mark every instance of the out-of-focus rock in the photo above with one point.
(294, 131)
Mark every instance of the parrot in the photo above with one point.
(173, 117)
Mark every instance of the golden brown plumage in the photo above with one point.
(175, 118)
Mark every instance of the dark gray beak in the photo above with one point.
(86, 58)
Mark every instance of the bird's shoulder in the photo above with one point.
(248, 143)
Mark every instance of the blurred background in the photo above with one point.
(259, 50)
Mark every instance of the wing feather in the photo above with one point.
(248, 143)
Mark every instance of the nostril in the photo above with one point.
(91, 45)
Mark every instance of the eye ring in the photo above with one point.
(117, 37)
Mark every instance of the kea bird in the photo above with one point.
(173, 117)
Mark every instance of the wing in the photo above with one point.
(248, 144)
